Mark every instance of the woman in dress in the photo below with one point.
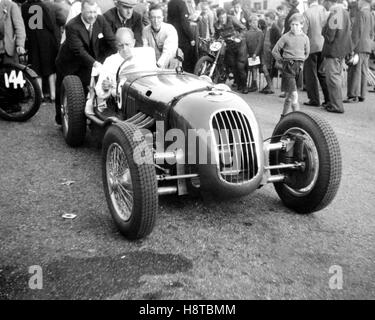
(43, 38)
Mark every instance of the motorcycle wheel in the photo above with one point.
(28, 98)
(203, 66)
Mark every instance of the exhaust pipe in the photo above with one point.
(162, 191)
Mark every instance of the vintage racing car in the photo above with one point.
(171, 132)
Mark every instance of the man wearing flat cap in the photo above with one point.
(123, 15)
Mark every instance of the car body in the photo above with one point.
(157, 128)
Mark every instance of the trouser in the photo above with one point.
(333, 69)
(84, 74)
(235, 59)
(357, 77)
(314, 74)
(299, 83)
(189, 57)
(254, 74)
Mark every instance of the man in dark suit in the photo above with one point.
(178, 16)
(123, 15)
(81, 50)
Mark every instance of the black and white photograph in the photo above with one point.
(186, 156)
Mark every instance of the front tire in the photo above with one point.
(130, 185)
(203, 66)
(73, 111)
(313, 187)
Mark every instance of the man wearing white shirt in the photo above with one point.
(126, 59)
(161, 36)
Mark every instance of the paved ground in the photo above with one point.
(250, 248)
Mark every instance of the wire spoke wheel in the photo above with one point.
(130, 185)
(119, 181)
(203, 66)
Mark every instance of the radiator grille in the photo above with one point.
(236, 146)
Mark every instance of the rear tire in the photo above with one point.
(73, 116)
(314, 187)
(130, 186)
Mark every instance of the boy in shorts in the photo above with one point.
(292, 50)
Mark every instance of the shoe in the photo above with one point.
(268, 91)
(360, 99)
(245, 90)
(331, 109)
(372, 90)
(325, 104)
(351, 100)
(58, 120)
(283, 95)
(311, 104)
(253, 89)
(266, 88)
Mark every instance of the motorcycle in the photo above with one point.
(20, 93)
(212, 63)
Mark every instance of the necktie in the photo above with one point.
(90, 31)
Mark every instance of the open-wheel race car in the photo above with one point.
(171, 132)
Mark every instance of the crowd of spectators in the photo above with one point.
(308, 48)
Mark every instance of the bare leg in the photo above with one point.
(295, 103)
(287, 102)
(52, 86)
(40, 85)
